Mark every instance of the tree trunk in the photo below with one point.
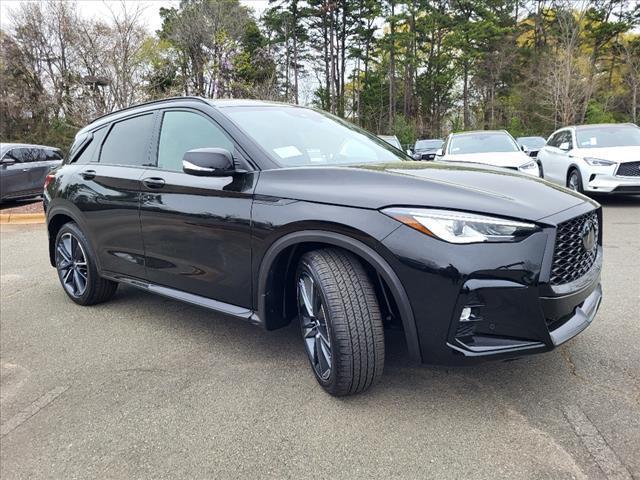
(392, 69)
(465, 97)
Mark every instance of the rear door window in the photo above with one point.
(128, 142)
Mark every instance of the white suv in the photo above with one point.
(594, 158)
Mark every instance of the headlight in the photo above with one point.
(461, 227)
(530, 167)
(598, 162)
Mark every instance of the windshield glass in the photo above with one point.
(532, 142)
(428, 144)
(296, 136)
(609, 136)
(482, 143)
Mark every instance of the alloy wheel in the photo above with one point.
(71, 263)
(315, 330)
(573, 182)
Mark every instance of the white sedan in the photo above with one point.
(496, 148)
(594, 158)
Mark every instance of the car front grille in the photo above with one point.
(571, 259)
(629, 169)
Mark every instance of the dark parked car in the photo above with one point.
(532, 144)
(271, 213)
(426, 149)
(23, 169)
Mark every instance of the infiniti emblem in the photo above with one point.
(589, 235)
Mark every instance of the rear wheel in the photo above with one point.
(75, 263)
(574, 181)
(340, 320)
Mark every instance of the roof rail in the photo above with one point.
(151, 102)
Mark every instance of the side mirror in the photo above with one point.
(8, 161)
(439, 152)
(524, 148)
(208, 162)
(564, 146)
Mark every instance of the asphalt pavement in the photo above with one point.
(146, 387)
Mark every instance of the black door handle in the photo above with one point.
(153, 182)
(88, 174)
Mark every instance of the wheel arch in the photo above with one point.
(56, 218)
(572, 166)
(280, 261)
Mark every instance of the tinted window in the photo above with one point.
(15, 153)
(51, 155)
(88, 150)
(609, 136)
(26, 155)
(301, 136)
(482, 143)
(128, 142)
(565, 137)
(184, 131)
(555, 140)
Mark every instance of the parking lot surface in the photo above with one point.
(145, 387)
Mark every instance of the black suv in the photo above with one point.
(270, 212)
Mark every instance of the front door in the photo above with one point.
(197, 230)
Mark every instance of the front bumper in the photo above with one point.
(514, 310)
(598, 183)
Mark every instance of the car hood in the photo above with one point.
(615, 154)
(486, 190)
(498, 159)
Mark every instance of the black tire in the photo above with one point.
(96, 289)
(541, 169)
(352, 316)
(574, 181)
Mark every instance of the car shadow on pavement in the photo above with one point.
(283, 348)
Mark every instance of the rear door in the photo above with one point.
(197, 230)
(108, 192)
(14, 173)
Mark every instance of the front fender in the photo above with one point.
(357, 247)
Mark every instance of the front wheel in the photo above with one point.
(340, 320)
(574, 181)
(77, 270)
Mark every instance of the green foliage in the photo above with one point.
(596, 113)
(404, 129)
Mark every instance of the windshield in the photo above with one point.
(609, 136)
(428, 144)
(296, 136)
(532, 142)
(482, 143)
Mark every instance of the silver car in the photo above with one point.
(23, 169)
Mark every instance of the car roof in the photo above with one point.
(605, 125)
(598, 125)
(26, 145)
(154, 104)
(477, 132)
(5, 147)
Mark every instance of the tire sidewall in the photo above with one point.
(92, 273)
(306, 267)
(578, 178)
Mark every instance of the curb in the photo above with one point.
(21, 218)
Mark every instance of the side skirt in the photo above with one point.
(208, 303)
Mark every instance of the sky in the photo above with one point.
(100, 8)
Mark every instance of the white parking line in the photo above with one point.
(595, 443)
(24, 415)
